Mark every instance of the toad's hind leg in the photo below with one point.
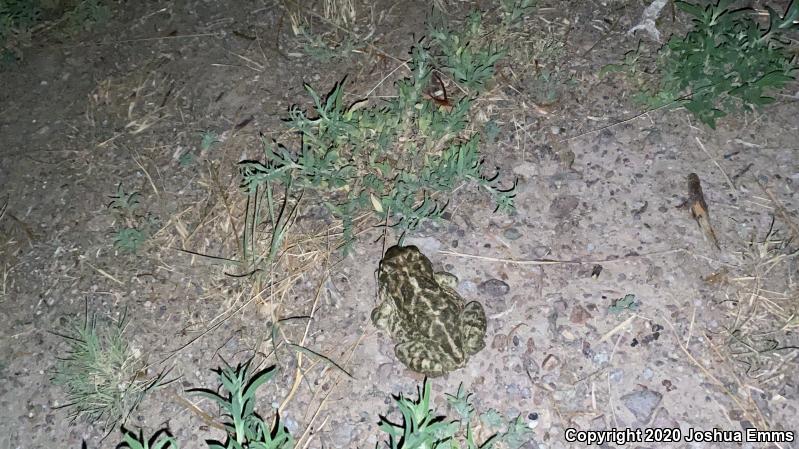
(427, 357)
(473, 325)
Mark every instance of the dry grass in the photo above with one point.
(763, 311)
(757, 345)
(341, 14)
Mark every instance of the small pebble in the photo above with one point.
(512, 234)
(600, 358)
(642, 403)
(500, 342)
(493, 287)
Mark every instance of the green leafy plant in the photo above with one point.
(401, 159)
(245, 428)
(17, 17)
(100, 375)
(124, 202)
(337, 37)
(137, 227)
(460, 403)
(517, 435)
(129, 239)
(467, 55)
(18, 14)
(491, 418)
(186, 159)
(622, 304)
(324, 48)
(726, 63)
(85, 14)
(20, 18)
(161, 440)
(421, 428)
(208, 139)
(514, 10)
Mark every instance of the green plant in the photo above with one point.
(621, 304)
(726, 63)
(279, 216)
(517, 435)
(18, 14)
(467, 55)
(460, 403)
(129, 239)
(514, 10)
(402, 159)
(186, 159)
(20, 18)
(85, 14)
(137, 227)
(161, 440)
(208, 139)
(339, 36)
(100, 375)
(420, 428)
(245, 428)
(17, 17)
(491, 418)
(325, 49)
(124, 202)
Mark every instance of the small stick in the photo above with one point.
(561, 262)
(146, 173)
(205, 417)
(729, 181)
(612, 407)
(104, 273)
(616, 329)
(690, 328)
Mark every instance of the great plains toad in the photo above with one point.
(434, 330)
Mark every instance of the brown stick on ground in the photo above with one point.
(696, 201)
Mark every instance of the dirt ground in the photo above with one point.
(598, 185)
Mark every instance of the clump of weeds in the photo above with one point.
(103, 380)
(21, 19)
(727, 63)
(134, 227)
(420, 427)
(400, 160)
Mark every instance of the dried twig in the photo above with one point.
(702, 147)
(783, 213)
(562, 262)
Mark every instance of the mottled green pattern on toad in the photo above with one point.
(434, 330)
